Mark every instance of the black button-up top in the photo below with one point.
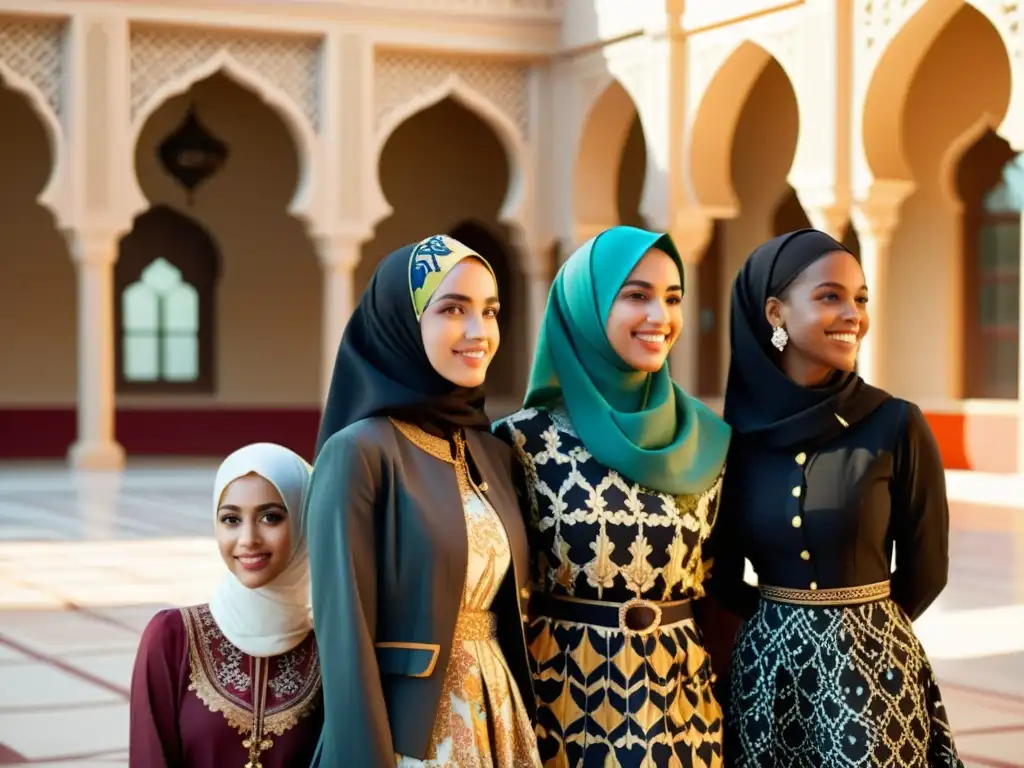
(832, 517)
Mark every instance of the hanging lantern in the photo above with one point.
(191, 154)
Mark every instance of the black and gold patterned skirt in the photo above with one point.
(608, 699)
(834, 686)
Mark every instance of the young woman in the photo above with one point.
(827, 476)
(623, 471)
(417, 546)
(236, 682)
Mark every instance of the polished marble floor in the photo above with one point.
(86, 560)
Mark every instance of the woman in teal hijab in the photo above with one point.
(623, 471)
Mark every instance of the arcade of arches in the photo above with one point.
(219, 300)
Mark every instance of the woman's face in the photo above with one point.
(647, 315)
(825, 313)
(252, 531)
(460, 324)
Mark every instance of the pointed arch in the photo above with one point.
(303, 135)
(603, 135)
(49, 197)
(950, 164)
(514, 208)
(890, 81)
(709, 154)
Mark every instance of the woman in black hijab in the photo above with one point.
(417, 548)
(826, 477)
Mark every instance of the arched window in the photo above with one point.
(991, 182)
(165, 278)
(998, 279)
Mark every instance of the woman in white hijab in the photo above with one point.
(236, 682)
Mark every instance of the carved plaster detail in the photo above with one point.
(33, 49)
(163, 55)
(401, 76)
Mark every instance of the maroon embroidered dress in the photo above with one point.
(192, 697)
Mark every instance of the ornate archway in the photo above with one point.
(610, 166)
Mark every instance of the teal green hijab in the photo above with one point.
(640, 424)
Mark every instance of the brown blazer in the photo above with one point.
(388, 554)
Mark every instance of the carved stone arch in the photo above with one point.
(603, 134)
(514, 209)
(50, 196)
(1008, 20)
(281, 103)
(896, 52)
(709, 155)
(950, 164)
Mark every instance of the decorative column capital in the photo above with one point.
(830, 219)
(340, 249)
(877, 215)
(94, 246)
(691, 231)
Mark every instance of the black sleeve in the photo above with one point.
(724, 551)
(920, 517)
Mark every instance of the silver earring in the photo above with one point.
(779, 338)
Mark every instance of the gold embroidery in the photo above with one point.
(437, 447)
(205, 681)
(866, 593)
(476, 625)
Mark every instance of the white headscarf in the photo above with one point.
(275, 618)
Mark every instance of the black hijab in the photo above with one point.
(761, 401)
(382, 368)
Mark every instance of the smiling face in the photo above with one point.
(647, 315)
(460, 324)
(252, 531)
(825, 313)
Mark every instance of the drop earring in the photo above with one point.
(779, 338)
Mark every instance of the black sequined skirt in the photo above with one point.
(843, 687)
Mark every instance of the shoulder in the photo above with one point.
(166, 621)
(915, 431)
(524, 423)
(165, 634)
(367, 437)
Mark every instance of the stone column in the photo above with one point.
(875, 220)
(691, 234)
(94, 254)
(339, 255)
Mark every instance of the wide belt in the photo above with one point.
(476, 625)
(633, 617)
(840, 596)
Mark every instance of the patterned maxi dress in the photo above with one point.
(605, 698)
(481, 721)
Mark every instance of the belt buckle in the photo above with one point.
(638, 602)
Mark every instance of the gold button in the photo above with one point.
(797, 522)
(805, 555)
(801, 458)
(524, 617)
(524, 592)
(483, 487)
(796, 491)
(814, 585)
